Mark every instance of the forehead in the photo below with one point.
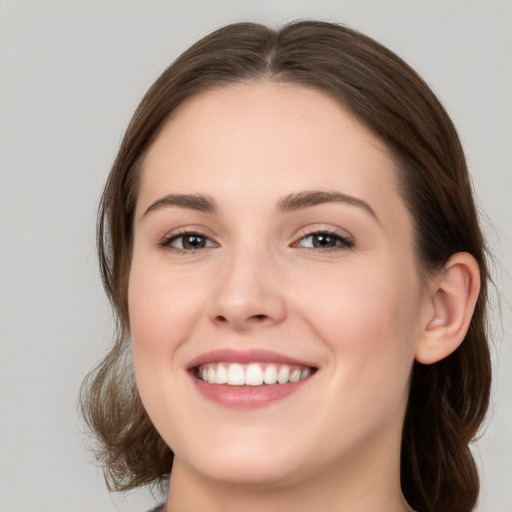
(253, 142)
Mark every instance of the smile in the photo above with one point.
(248, 379)
(252, 374)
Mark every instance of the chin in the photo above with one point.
(264, 472)
(250, 462)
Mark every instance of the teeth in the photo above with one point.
(221, 376)
(236, 375)
(305, 373)
(283, 375)
(270, 374)
(294, 375)
(254, 374)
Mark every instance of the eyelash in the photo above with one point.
(342, 242)
(166, 243)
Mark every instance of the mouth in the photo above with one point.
(248, 379)
(252, 374)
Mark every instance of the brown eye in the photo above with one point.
(188, 242)
(325, 240)
(193, 242)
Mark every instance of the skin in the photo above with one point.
(357, 313)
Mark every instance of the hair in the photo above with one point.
(448, 400)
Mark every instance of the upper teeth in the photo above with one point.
(254, 374)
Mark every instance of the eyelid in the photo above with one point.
(347, 241)
(345, 238)
(166, 241)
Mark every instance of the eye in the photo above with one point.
(188, 242)
(325, 240)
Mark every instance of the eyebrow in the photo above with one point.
(197, 202)
(289, 203)
(309, 198)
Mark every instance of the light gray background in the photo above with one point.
(71, 75)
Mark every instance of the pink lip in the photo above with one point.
(244, 357)
(246, 397)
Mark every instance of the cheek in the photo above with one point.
(368, 316)
(161, 308)
(163, 313)
(365, 317)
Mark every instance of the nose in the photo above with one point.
(249, 293)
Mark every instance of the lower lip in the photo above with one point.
(247, 397)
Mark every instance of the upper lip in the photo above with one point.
(228, 355)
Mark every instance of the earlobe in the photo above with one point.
(453, 295)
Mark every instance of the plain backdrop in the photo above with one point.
(71, 75)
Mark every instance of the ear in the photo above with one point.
(452, 297)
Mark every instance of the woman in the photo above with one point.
(289, 239)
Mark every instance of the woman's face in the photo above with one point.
(271, 243)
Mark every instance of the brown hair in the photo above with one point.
(448, 400)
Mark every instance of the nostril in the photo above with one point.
(241, 319)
